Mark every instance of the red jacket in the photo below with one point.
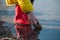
(20, 17)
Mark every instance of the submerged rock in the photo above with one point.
(5, 32)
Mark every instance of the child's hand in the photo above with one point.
(37, 27)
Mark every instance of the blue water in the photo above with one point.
(50, 34)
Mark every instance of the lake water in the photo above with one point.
(51, 27)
